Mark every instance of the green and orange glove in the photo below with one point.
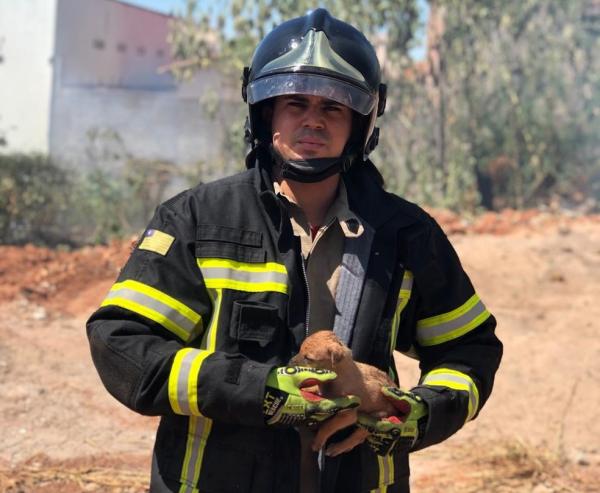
(396, 432)
(287, 402)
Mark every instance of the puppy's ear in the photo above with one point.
(337, 352)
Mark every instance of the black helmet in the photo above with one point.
(318, 55)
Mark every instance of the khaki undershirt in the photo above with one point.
(322, 259)
(323, 254)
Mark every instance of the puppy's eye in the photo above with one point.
(307, 359)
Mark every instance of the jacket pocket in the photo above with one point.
(229, 243)
(256, 327)
(254, 321)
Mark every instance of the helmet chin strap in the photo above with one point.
(312, 170)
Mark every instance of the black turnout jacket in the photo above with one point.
(213, 297)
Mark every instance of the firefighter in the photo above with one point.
(230, 277)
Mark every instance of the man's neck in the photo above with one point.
(313, 198)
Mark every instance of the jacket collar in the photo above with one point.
(366, 197)
(370, 201)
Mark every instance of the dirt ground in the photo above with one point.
(540, 432)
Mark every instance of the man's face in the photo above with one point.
(307, 127)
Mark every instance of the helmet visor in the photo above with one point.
(312, 85)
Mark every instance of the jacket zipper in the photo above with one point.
(305, 276)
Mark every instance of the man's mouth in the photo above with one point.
(311, 143)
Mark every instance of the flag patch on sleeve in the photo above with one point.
(156, 241)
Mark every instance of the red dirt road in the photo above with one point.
(540, 432)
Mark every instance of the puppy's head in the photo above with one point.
(322, 350)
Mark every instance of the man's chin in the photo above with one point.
(304, 155)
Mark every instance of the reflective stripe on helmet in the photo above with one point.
(313, 51)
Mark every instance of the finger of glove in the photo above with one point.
(332, 406)
(400, 400)
(379, 426)
(292, 378)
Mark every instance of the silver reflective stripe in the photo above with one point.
(386, 470)
(407, 283)
(386, 474)
(182, 381)
(242, 275)
(149, 302)
(429, 333)
(458, 381)
(196, 443)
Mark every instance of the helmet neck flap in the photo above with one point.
(310, 170)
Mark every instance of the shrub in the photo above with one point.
(33, 198)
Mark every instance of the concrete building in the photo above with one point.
(80, 80)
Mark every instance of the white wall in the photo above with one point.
(26, 43)
(107, 43)
(118, 95)
(58, 88)
(104, 126)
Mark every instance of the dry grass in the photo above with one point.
(40, 474)
(511, 467)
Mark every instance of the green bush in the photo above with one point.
(33, 199)
(44, 204)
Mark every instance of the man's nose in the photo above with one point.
(313, 117)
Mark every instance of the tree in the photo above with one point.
(518, 95)
(502, 112)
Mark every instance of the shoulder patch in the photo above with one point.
(156, 241)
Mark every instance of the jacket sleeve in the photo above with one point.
(150, 339)
(452, 334)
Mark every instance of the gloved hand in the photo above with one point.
(395, 432)
(286, 403)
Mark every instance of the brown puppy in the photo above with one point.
(324, 350)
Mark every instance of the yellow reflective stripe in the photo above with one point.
(250, 287)
(155, 305)
(148, 313)
(176, 305)
(242, 276)
(447, 326)
(183, 381)
(198, 432)
(199, 426)
(453, 379)
(403, 297)
(211, 336)
(448, 317)
(174, 379)
(386, 473)
(245, 266)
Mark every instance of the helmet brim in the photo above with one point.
(312, 85)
